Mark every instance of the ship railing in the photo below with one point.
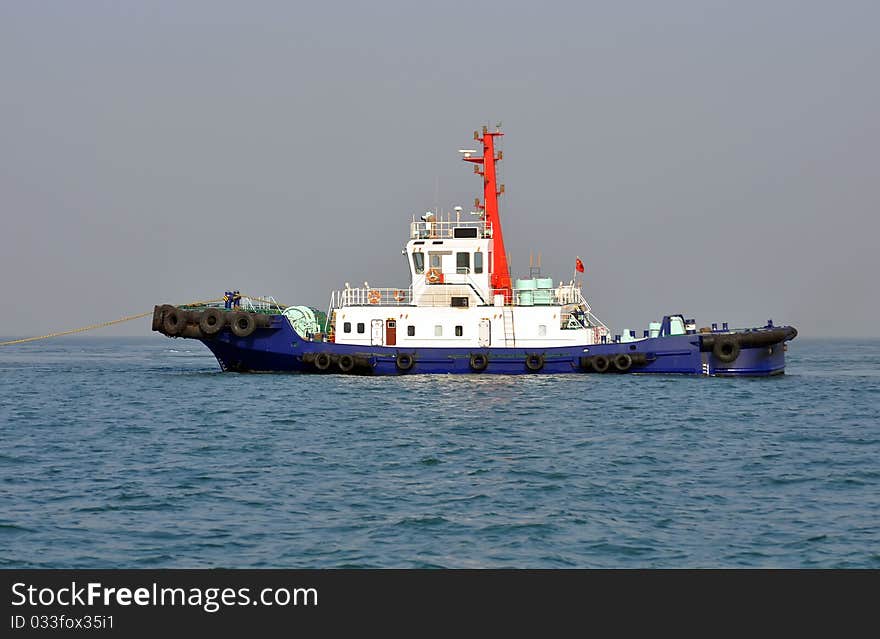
(570, 294)
(540, 297)
(557, 296)
(372, 297)
(446, 229)
(566, 295)
(266, 304)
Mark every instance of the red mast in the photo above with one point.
(500, 278)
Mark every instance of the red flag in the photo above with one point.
(579, 266)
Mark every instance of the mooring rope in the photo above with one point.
(91, 327)
(76, 330)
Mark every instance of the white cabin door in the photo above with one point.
(377, 333)
(484, 337)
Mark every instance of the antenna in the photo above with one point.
(534, 265)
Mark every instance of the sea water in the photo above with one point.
(139, 453)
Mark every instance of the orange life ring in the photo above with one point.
(374, 296)
(399, 296)
(433, 276)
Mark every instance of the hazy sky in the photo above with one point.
(713, 158)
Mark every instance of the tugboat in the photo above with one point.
(462, 313)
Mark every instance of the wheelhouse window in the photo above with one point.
(459, 331)
(361, 327)
(438, 330)
(478, 262)
(346, 327)
(418, 260)
(435, 259)
(462, 263)
(411, 331)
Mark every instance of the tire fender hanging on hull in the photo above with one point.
(404, 362)
(535, 362)
(478, 362)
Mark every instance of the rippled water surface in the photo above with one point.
(139, 453)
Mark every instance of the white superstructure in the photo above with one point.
(450, 301)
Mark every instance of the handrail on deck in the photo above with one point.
(563, 295)
(445, 229)
(374, 297)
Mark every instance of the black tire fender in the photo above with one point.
(212, 321)
(322, 361)
(243, 324)
(346, 363)
(479, 362)
(404, 361)
(726, 348)
(601, 363)
(535, 362)
(174, 320)
(623, 362)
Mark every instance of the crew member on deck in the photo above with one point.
(236, 299)
(227, 300)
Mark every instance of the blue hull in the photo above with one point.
(278, 348)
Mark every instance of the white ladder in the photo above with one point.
(509, 334)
